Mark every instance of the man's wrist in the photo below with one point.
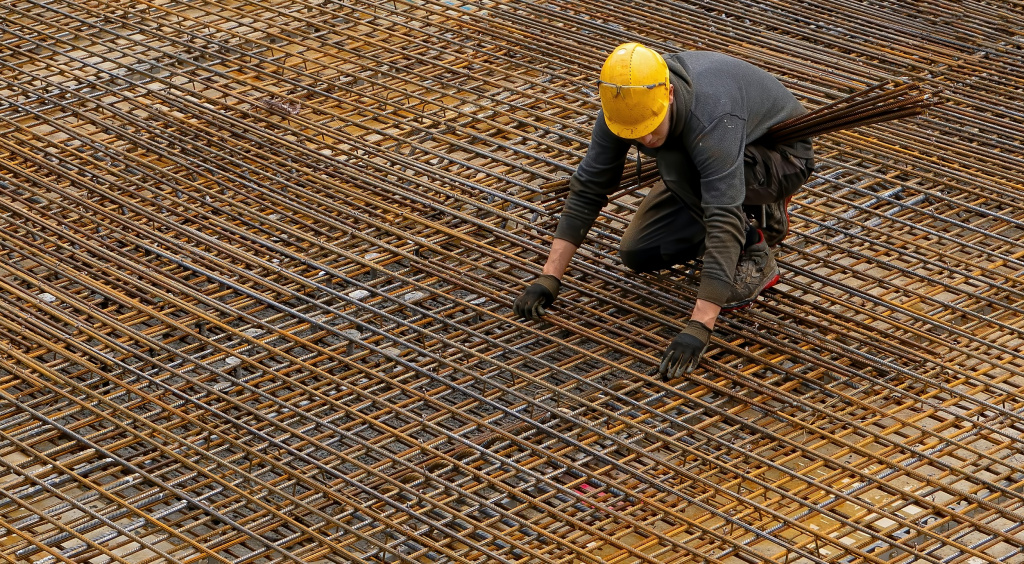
(550, 282)
(705, 312)
(554, 271)
(699, 330)
(559, 257)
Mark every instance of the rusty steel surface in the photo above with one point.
(259, 258)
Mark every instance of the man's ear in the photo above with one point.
(671, 93)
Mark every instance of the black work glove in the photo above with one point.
(684, 352)
(536, 297)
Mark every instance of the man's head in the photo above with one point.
(636, 94)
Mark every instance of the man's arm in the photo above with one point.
(597, 176)
(706, 312)
(719, 158)
(561, 253)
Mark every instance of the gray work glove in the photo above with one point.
(684, 352)
(536, 297)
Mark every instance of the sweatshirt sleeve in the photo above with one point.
(597, 177)
(718, 155)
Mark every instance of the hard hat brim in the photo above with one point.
(634, 128)
(637, 130)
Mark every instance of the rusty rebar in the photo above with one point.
(258, 260)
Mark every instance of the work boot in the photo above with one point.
(776, 222)
(756, 272)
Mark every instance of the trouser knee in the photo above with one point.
(641, 260)
(653, 259)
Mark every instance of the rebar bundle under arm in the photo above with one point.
(875, 104)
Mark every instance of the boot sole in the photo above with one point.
(747, 303)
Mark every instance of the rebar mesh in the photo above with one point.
(259, 257)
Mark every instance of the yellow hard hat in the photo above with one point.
(634, 90)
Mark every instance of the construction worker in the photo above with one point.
(699, 114)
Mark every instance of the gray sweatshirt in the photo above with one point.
(721, 105)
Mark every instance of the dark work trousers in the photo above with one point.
(666, 231)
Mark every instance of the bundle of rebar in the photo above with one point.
(879, 103)
(257, 260)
